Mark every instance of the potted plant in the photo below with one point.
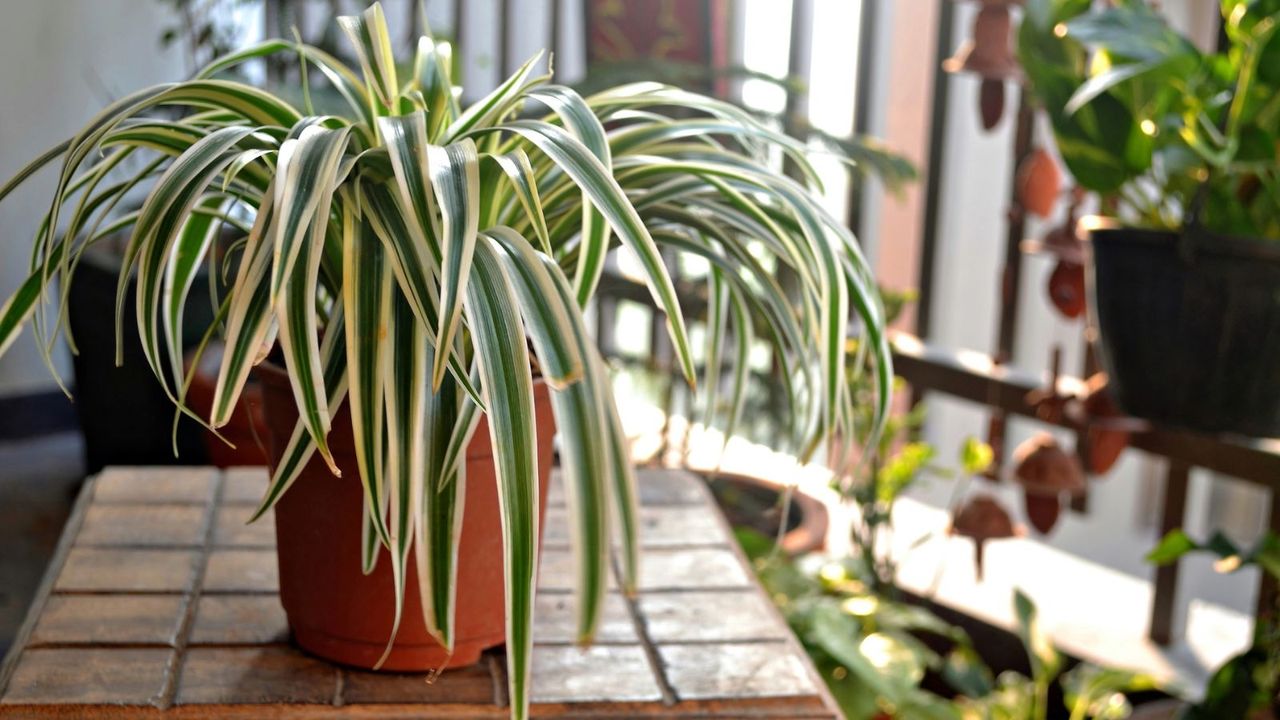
(1183, 147)
(396, 266)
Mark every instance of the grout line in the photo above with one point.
(82, 592)
(753, 641)
(154, 546)
(178, 659)
(646, 642)
(146, 503)
(174, 547)
(98, 645)
(498, 675)
(339, 686)
(680, 589)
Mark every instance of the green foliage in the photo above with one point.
(1089, 692)
(872, 652)
(868, 648)
(1249, 681)
(1265, 554)
(431, 246)
(976, 456)
(1166, 133)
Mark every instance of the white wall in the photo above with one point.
(63, 61)
(66, 59)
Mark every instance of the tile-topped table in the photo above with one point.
(160, 601)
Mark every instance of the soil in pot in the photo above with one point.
(1190, 327)
(340, 614)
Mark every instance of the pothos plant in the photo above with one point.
(404, 255)
(1166, 133)
(1248, 684)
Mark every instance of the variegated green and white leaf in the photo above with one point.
(507, 389)
(550, 312)
(249, 318)
(300, 448)
(366, 298)
(439, 494)
(404, 363)
(368, 35)
(598, 183)
(455, 178)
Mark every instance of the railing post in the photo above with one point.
(1172, 514)
(1268, 593)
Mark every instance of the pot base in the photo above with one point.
(403, 657)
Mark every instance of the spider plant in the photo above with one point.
(404, 257)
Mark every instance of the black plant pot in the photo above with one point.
(124, 414)
(1190, 327)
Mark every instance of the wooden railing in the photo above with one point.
(988, 380)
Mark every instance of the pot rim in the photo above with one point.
(811, 533)
(274, 368)
(271, 372)
(1097, 228)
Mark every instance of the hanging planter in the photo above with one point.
(1066, 288)
(1039, 181)
(989, 55)
(1183, 285)
(1189, 327)
(1046, 473)
(1104, 442)
(982, 518)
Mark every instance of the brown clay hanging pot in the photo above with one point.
(1042, 466)
(989, 55)
(1066, 288)
(1039, 182)
(1046, 471)
(1042, 510)
(1063, 242)
(982, 518)
(991, 103)
(1104, 444)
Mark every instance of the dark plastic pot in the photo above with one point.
(336, 611)
(1190, 327)
(124, 413)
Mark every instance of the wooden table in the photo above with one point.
(161, 601)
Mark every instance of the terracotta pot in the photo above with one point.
(1104, 444)
(1066, 288)
(340, 614)
(982, 518)
(1039, 182)
(741, 498)
(991, 103)
(1042, 510)
(246, 430)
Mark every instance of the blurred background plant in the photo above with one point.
(887, 657)
(1160, 129)
(1248, 684)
